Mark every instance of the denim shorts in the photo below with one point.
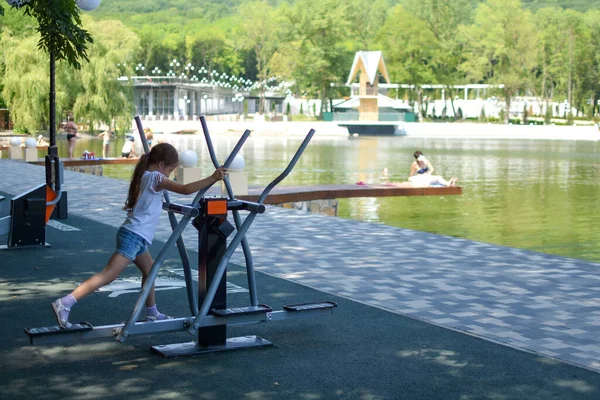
(130, 245)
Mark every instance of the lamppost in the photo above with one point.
(53, 170)
(61, 37)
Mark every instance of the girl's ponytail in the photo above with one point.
(136, 179)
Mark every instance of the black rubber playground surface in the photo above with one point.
(359, 352)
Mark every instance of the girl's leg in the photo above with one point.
(113, 269)
(144, 262)
(440, 180)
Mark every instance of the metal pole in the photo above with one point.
(185, 258)
(236, 216)
(52, 149)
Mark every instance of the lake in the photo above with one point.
(531, 194)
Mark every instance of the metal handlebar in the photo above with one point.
(289, 168)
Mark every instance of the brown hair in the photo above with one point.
(417, 153)
(163, 152)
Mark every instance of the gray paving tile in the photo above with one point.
(533, 301)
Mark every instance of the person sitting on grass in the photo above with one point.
(144, 206)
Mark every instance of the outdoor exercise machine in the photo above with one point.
(31, 210)
(209, 313)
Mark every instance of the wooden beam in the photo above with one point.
(291, 194)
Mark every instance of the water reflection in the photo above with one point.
(531, 194)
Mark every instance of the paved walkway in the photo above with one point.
(531, 301)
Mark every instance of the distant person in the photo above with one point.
(106, 136)
(144, 206)
(71, 130)
(41, 142)
(149, 136)
(128, 150)
(421, 173)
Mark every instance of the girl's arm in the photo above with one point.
(193, 187)
(430, 168)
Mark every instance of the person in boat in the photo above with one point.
(421, 173)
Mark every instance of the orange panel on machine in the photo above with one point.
(50, 195)
(216, 207)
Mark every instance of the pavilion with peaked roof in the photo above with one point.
(370, 66)
(370, 111)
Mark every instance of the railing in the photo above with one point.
(355, 116)
(370, 91)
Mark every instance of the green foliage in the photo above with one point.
(502, 46)
(103, 98)
(59, 26)
(410, 51)
(548, 115)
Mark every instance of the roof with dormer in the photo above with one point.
(370, 62)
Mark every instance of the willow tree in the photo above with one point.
(501, 47)
(102, 98)
(25, 82)
(62, 37)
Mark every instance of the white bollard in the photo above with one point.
(187, 171)
(16, 151)
(31, 151)
(238, 179)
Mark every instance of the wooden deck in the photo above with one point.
(291, 194)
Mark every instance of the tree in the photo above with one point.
(409, 52)
(25, 82)
(258, 29)
(318, 31)
(501, 47)
(59, 26)
(103, 98)
(443, 19)
(366, 18)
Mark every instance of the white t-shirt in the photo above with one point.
(144, 216)
(127, 147)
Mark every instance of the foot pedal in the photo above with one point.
(57, 330)
(310, 306)
(230, 312)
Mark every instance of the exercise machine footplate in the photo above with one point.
(230, 312)
(57, 330)
(309, 306)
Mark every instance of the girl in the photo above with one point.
(421, 173)
(143, 206)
